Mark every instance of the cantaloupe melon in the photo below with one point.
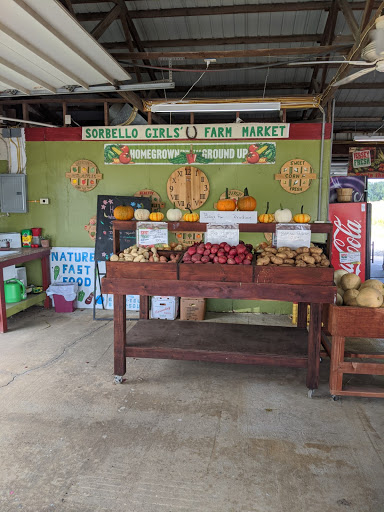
(337, 275)
(373, 283)
(350, 282)
(340, 291)
(339, 300)
(369, 298)
(350, 297)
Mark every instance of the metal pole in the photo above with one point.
(321, 165)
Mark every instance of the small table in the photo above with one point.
(19, 256)
(352, 322)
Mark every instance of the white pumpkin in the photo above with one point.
(283, 215)
(142, 214)
(174, 214)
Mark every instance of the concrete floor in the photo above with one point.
(175, 436)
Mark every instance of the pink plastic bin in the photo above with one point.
(62, 305)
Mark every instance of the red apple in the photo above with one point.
(232, 252)
(247, 262)
(223, 244)
(204, 259)
(208, 245)
(200, 250)
(231, 261)
(196, 257)
(207, 252)
(238, 260)
(240, 248)
(187, 257)
(214, 249)
(215, 259)
(222, 259)
(227, 247)
(192, 250)
(249, 257)
(212, 256)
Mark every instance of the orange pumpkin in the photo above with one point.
(156, 216)
(266, 217)
(302, 218)
(226, 205)
(246, 203)
(123, 212)
(191, 216)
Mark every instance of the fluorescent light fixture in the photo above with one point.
(368, 138)
(214, 107)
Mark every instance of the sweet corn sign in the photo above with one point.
(251, 153)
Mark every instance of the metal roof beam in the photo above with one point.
(14, 85)
(64, 40)
(43, 56)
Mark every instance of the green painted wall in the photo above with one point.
(69, 210)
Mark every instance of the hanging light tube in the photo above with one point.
(215, 107)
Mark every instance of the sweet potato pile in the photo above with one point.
(286, 257)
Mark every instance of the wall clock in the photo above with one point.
(188, 187)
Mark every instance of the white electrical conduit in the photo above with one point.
(2, 118)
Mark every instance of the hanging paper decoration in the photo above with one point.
(296, 176)
(156, 203)
(91, 228)
(84, 175)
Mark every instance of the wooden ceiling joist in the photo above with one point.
(350, 18)
(314, 5)
(219, 54)
(101, 27)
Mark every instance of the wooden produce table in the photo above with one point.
(19, 256)
(198, 341)
(342, 322)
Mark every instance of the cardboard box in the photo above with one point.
(14, 239)
(192, 309)
(164, 308)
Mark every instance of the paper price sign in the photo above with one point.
(293, 235)
(350, 257)
(152, 233)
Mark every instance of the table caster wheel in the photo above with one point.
(335, 398)
(118, 379)
(310, 393)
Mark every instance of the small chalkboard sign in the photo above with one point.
(104, 232)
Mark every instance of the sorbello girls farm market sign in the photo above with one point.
(178, 144)
(187, 132)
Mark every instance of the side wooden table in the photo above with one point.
(342, 322)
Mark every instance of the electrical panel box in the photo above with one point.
(13, 193)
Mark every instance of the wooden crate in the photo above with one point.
(130, 270)
(354, 322)
(294, 275)
(216, 272)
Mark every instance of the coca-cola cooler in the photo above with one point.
(351, 237)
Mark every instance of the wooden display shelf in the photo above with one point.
(352, 322)
(313, 286)
(219, 342)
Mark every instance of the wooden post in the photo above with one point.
(302, 315)
(149, 117)
(106, 114)
(3, 309)
(314, 342)
(119, 316)
(46, 276)
(192, 118)
(284, 113)
(144, 307)
(25, 113)
(237, 115)
(337, 357)
(64, 106)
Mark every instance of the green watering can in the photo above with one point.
(14, 291)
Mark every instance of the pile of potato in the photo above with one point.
(138, 254)
(352, 292)
(286, 257)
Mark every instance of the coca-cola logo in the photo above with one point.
(346, 238)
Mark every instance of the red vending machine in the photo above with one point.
(351, 232)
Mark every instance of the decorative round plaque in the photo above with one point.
(188, 187)
(84, 175)
(156, 202)
(296, 176)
